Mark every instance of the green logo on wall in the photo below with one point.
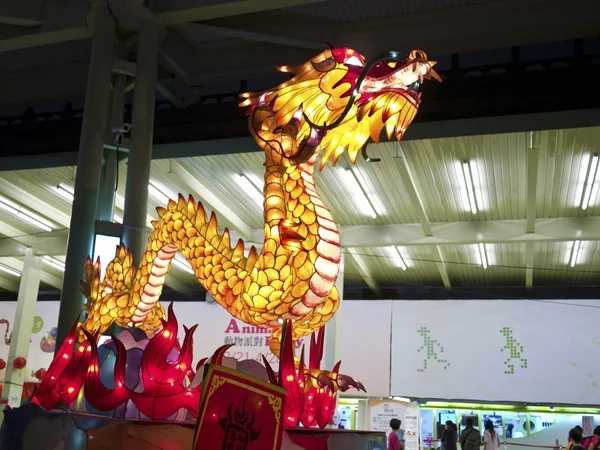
(514, 349)
(433, 349)
(38, 324)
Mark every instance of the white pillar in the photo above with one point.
(19, 344)
(333, 328)
(362, 415)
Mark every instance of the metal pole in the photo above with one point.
(142, 128)
(81, 230)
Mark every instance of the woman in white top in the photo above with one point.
(491, 440)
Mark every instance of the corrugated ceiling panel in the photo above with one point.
(501, 162)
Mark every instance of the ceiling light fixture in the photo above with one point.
(575, 252)
(483, 255)
(590, 179)
(155, 191)
(66, 192)
(183, 265)
(25, 215)
(396, 257)
(467, 174)
(10, 270)
(251, 187)
(54, 262)
(360, 193)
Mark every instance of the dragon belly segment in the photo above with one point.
(332, 104)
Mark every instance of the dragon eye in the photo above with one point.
(354, 61)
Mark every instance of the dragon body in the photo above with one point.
(293, 276)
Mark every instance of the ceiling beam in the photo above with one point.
(532, 175)
(19, 22)
(45, 38)
(9, 284)
(451, 233)
(363, 269)
(441, 267)
(409, 185)
(51, 280)
(468, 233)
(529, 261)
(256, 36)
(186, 11)
(181, 175)
(35, 203)
(415, 200)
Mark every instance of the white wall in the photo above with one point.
(555, 350)
(561, 340)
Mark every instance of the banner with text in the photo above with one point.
(508, 350)
(382, 411)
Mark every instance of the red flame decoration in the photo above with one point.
(165, 383)
(307, 405)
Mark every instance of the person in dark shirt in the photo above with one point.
(449, 436)
(470, 438)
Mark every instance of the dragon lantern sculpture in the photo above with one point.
(332, 104)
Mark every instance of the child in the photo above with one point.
(394, 442)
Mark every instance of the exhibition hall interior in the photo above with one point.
(300, 224)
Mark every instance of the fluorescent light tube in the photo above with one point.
(483, 254)
(396, 257)
(10, 270)
(157, 193)
(54, 262)
(250, 187)
(575, 252)
(468, 179)
(360, 194)
(24, 214)
(589, 182)
(183, 265)
(67, 192)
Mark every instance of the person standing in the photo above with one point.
(470, 438)
(449, 437)
(591, 442)
(491, 440)
(394, 442)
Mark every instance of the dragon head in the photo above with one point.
(336, 101)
